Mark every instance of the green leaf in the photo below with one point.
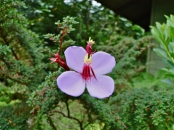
(158, 36)
(170, 20)
(170, 63)
(2, 104)
(161, 53)
(171, 46)
(172, 54)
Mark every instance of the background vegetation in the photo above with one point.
(32, 31)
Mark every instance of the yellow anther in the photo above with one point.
(87, 59)
(90, 41)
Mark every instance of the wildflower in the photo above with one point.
(89, 70)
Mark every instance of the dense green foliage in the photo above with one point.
(32, 31)
(145, 108)
(20, 64)
(166, 46)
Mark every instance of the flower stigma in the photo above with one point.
(87, 69)
(90, 42)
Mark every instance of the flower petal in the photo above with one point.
(71, 83)
(75, 57)
(102, 62)
(102, 87)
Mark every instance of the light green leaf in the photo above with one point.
(2, 104)
(171, 46)
(161, 53)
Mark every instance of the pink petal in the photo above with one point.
(102, 62)
(53, 59)
(102, 87)
(75, 57)
(71, 83)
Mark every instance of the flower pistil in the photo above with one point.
(87, 69)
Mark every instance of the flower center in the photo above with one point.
(87, 69)
(87, 59)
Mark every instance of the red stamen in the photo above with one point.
(93, 72)
(87, 71)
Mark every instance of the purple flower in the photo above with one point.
(89, 70)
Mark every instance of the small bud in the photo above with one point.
(60, 61)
